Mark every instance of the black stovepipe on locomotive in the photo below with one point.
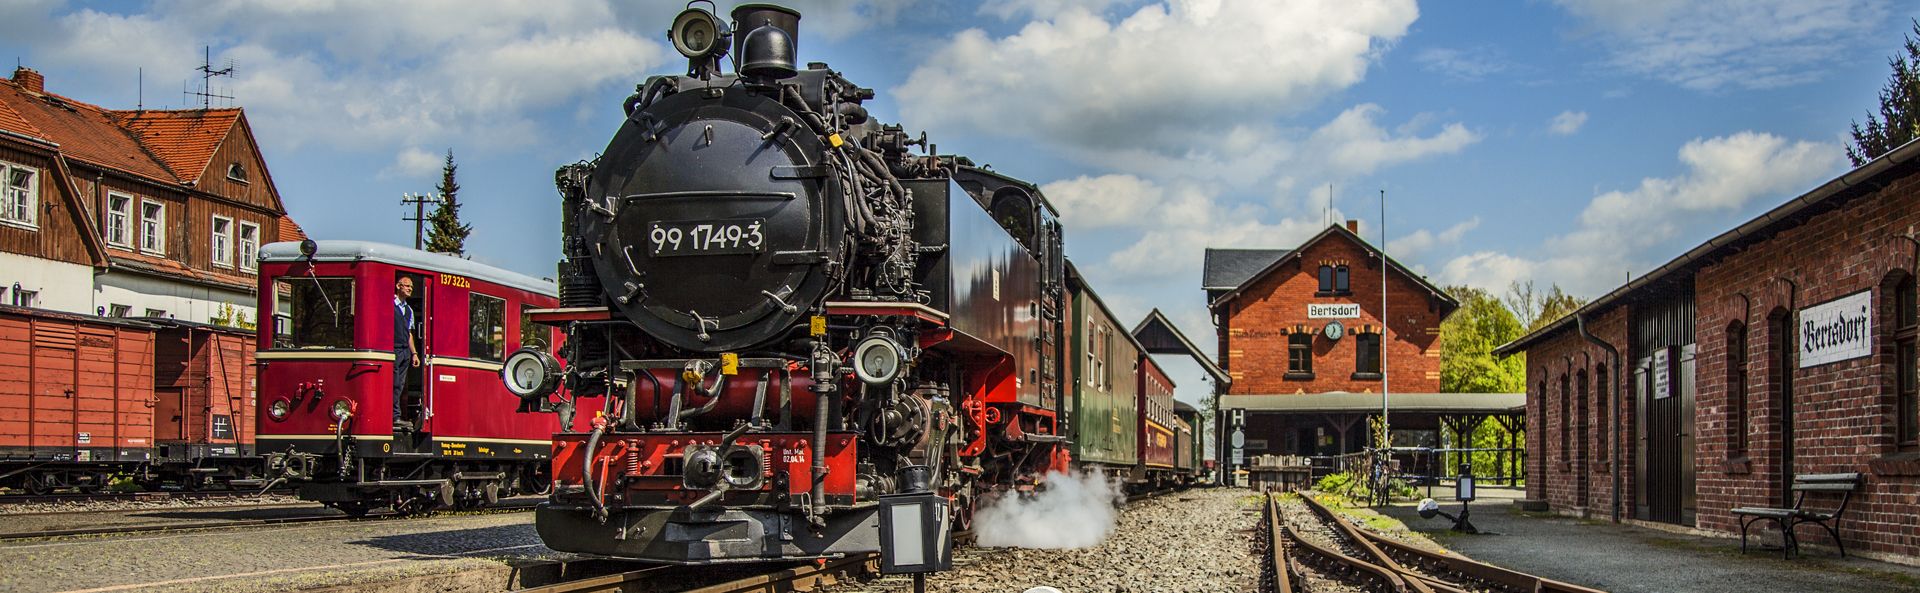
(794, 315)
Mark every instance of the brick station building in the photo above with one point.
(1783, 346)
(1303, 339)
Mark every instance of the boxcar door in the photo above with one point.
(54, 427)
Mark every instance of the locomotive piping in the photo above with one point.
(586, 474)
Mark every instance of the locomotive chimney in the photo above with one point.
(763, 51)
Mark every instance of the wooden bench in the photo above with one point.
(1786, 519)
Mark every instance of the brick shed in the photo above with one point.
(1783, 346)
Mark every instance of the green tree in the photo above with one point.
(1467, 340)
(1536, 309)
(1899, 117)
(445, 233)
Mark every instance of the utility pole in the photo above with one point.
(419, 218)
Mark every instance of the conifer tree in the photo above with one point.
(445, 233)
(1899, 117)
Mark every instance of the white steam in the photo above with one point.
(1072, 511)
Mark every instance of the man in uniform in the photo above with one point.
(406, 348)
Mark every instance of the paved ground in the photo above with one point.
(464, 552)
(1627, 559)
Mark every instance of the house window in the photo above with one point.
(21, 204)
(1366, 355)
(487, 327)
(120, 310)
(237, 172)
(153, 227)
(119, 220)
(1906, 327)
(156, 313)
(1737, 389)
(1340, 283)
(249, 246)
(24, 298)
(1300, 355)
(222, 241)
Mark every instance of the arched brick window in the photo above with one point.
(1737, 439)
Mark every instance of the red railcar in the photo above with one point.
(85, 398)
(329, 422)
(1157, 425)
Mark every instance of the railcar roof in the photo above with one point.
(338, 250)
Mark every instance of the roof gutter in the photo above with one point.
(33, 139)
(1865, 173)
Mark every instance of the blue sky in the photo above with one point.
(1565, 141)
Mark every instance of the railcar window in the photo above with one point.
(318, 313)
(487, 327)
(531, 334)
(1014, 211)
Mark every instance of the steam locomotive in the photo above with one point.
(790, 314)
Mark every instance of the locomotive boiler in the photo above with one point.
(793, 310)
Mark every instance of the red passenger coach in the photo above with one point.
(328, 419)
(1157, 423)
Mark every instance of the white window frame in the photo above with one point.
(119, 310)
(157, 233)
(30, 211)
(125, 214)
(249, 249)
(24, 298)
(221, 243)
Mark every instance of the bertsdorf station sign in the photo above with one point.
(1836, 330)
(1342, 311)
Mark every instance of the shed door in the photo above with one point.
(1667, 460)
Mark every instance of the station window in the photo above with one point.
(487, 327)
(1326, 278)
(1600, 410)
(1300, 355)
(1566, 424)
(1340, 280)
(1737, 389)
(1906, 328)
(1366, 355)
(318, 313)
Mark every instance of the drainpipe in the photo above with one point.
(1613, 384)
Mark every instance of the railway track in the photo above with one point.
(231, 524)
(14, 499)
(1329, 552)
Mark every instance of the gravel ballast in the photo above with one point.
(1196, 541)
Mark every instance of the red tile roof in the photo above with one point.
(290, 231)
(182, 140)
(84, 132)
(11, 121)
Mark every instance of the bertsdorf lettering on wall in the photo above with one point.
(1342, 311)
(1836, 330)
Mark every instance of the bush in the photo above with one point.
(1352, 487)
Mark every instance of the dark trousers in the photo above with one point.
(402, 361)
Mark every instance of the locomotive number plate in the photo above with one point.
(719, 237)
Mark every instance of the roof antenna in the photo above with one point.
(140, 83)
(207, 73)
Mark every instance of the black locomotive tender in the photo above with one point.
(794, 314)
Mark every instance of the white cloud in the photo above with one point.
(1422, 241)
(1043, 9)
(1162, 78)
(414, 162)
(1463, 64)
(1713, 44)
(1632, 230)
(1567, 122)
(1354, 143)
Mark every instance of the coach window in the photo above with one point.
(1906, 328)
(1300, 355)
(319, 313)
(1366, 356)
(1737, 389)
(487, 327)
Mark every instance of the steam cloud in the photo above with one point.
(1073, 511)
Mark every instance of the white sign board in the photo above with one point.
(1836, 330)
(1662, 365)
(1345, 311)
(1239, 457)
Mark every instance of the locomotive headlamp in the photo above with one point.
(278, 409)
(696, 33)
(531, 373)
(341, 409)
(877, 360)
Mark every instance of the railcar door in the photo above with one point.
(413, 409)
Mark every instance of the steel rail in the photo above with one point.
(1289, 544)
(235, 524)
(1438, 571)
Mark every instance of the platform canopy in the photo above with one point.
(1157, 335)
(1340, 401)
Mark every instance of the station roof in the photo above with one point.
(1862, 181)
(1227, 269)
(1224, 265)
(395, 254)
(1341, 401)
(1157, 335)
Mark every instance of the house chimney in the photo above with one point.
(1353, 226)
(30, 79)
